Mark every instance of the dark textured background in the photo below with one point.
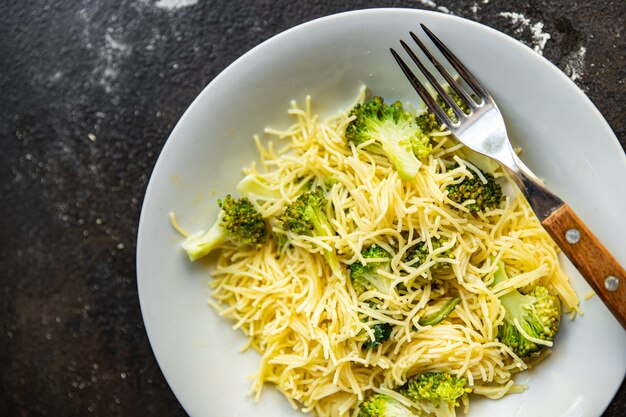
(90, 91)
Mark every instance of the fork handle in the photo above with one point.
(591, 258)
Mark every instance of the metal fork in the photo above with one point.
(484, 131)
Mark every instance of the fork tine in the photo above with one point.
(458, 66)
(433, 81)
(442, 70)
(422, 91)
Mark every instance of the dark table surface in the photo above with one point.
(90, 91)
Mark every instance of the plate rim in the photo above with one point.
(174, 137)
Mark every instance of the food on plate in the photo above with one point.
(381, 268)
(531, 320)
(237, 222)
(381, 405)
(437, 390)
(306, 216)
(391, 131)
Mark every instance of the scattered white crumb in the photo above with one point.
(114, 44)
(428, 3)
(521, 24)
(540, 38)
(575, 64)
(91, 137)
(517, 19)
(433, 5)
(174, 4)
(111, 52)
(56, 76)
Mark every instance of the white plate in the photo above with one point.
(565, 140)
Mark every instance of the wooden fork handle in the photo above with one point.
(591, 258)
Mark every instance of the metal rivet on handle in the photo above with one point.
(611, 283)
(572, 236)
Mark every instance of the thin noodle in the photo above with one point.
(308, 324)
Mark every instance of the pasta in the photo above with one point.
(309, 324)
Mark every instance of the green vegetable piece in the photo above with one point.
(437, 317)
(438, 388)
(421, 253)
(330, 183)
(307, 216)
(238, 222)
(382, 332)
(254, 188)
(538, 315)
(381, 405)
(457, 99)
(427, 122)
(486, 196)
(366, 276)
(394, 132)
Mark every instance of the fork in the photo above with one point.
(483, 130)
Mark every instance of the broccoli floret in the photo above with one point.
(538, 314)
(382, 332)
(457, 99)
(281, 241)
(420, 253)
(330, 183)
(394, 131)
(421, 148)
(427, 122)
(487, 195)
(307, 216)
(365, 276)
(440, 389)
(381, 405)
(438, 316)
(238, 222)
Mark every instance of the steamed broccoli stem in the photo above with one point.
(238, 222)
(381, 405)
(333, 262)
(537, 314)
(437, 317)
(253, 188)
(398, 149)
(485, 196)
(307, 216)
(322, 227)
(394, 133)
(201, 244)
(365, 275)
(382, 332)
(440, 389)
